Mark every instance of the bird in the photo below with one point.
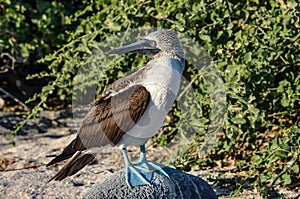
(131, 110)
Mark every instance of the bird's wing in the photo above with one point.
(112, 115)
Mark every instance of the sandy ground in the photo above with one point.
(23, 173)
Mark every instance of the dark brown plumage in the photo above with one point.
(115, 112)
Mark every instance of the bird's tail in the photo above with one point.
(66, 154)
(76, 163)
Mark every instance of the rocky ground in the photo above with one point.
(23, 173)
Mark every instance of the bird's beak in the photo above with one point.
(142, 47)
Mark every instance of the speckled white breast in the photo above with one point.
(162, 81)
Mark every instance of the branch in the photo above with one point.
(14, 98)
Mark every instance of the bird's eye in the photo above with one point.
(152, 43)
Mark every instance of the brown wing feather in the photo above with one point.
(104, 124)
(78, 161)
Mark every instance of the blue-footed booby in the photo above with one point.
(131, 110)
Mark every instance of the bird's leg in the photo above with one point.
(126, 158)
(143, 154)
(133, 175)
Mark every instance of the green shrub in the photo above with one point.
(35, 27)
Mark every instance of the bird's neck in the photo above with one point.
(169, 54)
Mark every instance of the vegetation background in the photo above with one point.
(254, 44)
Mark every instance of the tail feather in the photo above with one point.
(75, 164)
(66, 154)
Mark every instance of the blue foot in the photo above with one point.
(141, 172)
(150, 167)
(135, 176)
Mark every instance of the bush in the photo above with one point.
(35, 27)
(29, 31)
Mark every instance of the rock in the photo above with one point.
(179, 185)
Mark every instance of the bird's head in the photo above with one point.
(161, 41)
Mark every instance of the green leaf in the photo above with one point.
(47, 88)
(205, 38)
(284, 101)
(256, 159)
(253, 110)
(287, 179)
(238, 120)
(281, 154)
(248, 57)
(203, 121)
(296, 168)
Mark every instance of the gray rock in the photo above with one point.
(179, 185)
